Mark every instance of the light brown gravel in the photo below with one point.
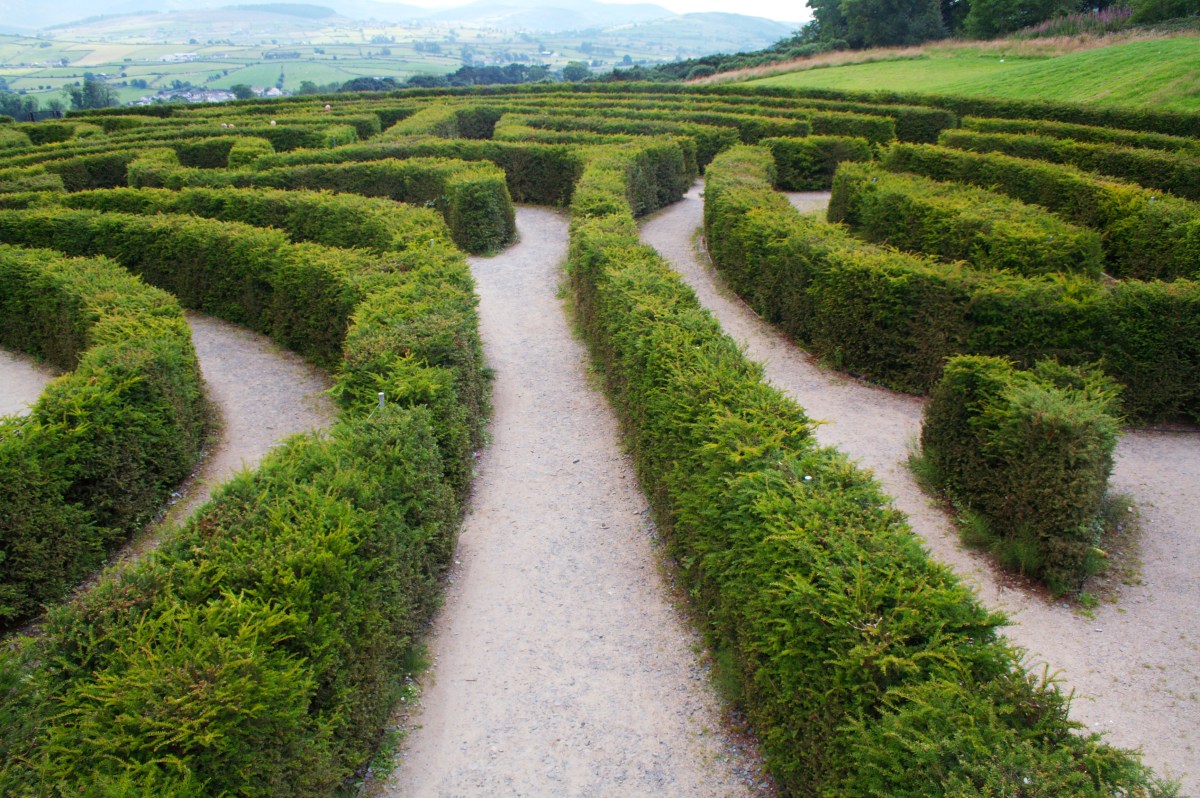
(22, 380)
(1135, 665)
(561, 668)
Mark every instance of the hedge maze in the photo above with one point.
(257, 652)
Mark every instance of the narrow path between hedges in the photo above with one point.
(560, 666)
(22, 380)
(262, 393)
(1135, 665)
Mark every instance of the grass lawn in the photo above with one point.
(1163, 73)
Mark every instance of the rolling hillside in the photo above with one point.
(1163, 73)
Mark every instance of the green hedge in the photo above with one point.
(246, 150)
(1145, 235)
(1085, 133)
(257, 652)
(710, 139)
(1178, 173)
(896, 318)
(11, 137)
(77, 173)
(542, 174)
(334, 220)
(1173, 123)
(808, 164)
(472, 197)
(956, 222)
(844, 639)
(102, 449)
(1030, 452)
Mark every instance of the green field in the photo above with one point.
(1162, 73)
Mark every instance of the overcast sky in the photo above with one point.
(782, 10)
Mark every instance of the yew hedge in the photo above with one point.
(258, 650)
(99, 453)
(956, 222)
(866, 668)
(1145, 235)
(896, 317)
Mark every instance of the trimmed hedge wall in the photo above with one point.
(257, 652)
(1084, 133)
(896, 318)
(12, 137)
(956, 222)
(709, 139)
(808, 164)
(1173, 123)
(1145, 235)
(334, 220)
(1030, 452)
(542, 174)
(99, 453)
(473, 198)
(859, 660)
(1170, 171)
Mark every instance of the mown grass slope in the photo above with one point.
(1163, 73)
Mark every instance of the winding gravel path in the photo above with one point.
(1135, 666)
(22, 380)
(262, 394)
(561, 667)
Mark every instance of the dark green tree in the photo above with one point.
(241, 91)
(94, 93)
(884, 23)
(991, 18)
(576, 71)
(1157, 10)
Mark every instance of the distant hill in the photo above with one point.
(551, 15)
(289, 9)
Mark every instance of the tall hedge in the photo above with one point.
(257, 652)
(1084, 133)
(105, 445)
(847, 643)
(956, 222)
(1031, 453)
(896, 318)
(1145, 235)
(1178, 173)
(808, 164)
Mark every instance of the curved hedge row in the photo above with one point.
(1152, 120)
(334, 220)
(956, 222)
(808, 164)
(1176, 172)
(866, 668)
(257, 652)
(1084, 133)
(896, 318)
(1145, 235)
(105, 445)
(473, 198)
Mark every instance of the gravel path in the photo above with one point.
(262, 394)
(22, 380)
(561, 667)
(1135, 666)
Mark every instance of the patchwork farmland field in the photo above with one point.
(262, 647)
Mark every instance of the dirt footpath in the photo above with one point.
(22, 380)
(1135, 666)
(262, 394)
(560, 666)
